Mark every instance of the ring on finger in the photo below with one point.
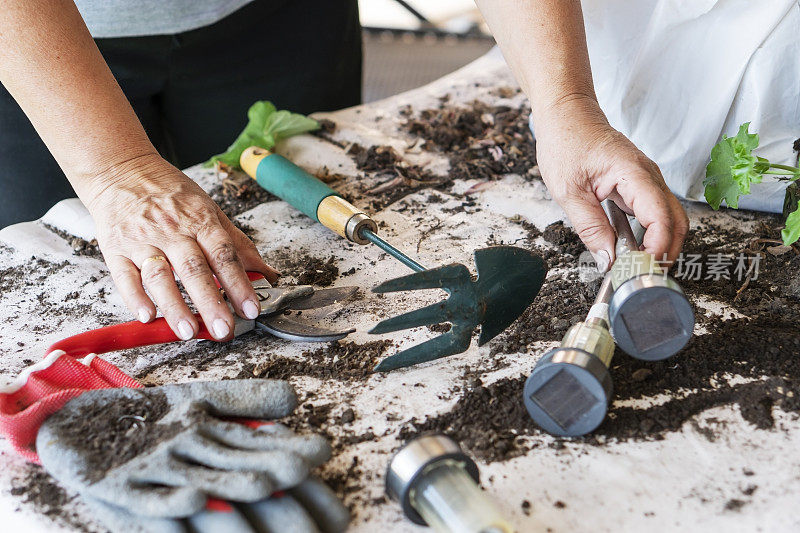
(153, 258)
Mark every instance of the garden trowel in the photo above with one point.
(509, 278)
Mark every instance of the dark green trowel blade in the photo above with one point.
(509, 278)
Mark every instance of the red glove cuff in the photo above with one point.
(42, 389)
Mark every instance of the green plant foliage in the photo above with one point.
(791, 232)
(733, 168)
(265, 127)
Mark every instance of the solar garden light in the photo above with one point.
(436, 484)
(649, 314)
(568, 392)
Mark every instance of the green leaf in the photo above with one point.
(733, 168)
(791, 232)
(265, 127)
(283, 124)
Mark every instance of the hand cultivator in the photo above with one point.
(509, 278)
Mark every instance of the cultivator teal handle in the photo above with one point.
(286, 180)
(303, 191)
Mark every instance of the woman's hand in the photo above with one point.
(151, 218)
(583, 161)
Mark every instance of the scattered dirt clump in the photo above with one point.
(38, 489)
(318, 272)
(40, 280)
(564, 238)
(305, 268)
(202, 356)
(79, 246)
(759, 275)
(764, 351)
(401, 178)
(326, 125)
(342, 361)
(482, 141)
(734, 505)
(347, 484)
(487, 421)
(109, 435)
(238, 193)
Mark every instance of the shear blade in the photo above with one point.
(322, 298)
(284, 327)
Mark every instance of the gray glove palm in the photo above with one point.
(163, 451)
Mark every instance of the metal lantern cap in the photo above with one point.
(567, 393)
(411, 461)
(651, 318)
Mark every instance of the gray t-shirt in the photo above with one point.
(133, 18)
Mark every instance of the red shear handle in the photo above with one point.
(252, 276)
(129, 335)
(123, 336)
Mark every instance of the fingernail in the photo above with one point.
(602, 259)
(251, 309)
(144, 315)
(221, 328)
(185, 330)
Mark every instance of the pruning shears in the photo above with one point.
(276, 302)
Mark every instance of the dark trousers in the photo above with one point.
(191, 90)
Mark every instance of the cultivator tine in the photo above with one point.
(459, 307)
(445, 277)
(454, 341)
(426, 316)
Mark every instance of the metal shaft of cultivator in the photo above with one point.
(372, 237)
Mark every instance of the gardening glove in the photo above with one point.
(45, 387)
(163, 451)
(310, 507)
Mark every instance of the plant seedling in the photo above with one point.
(733, 168)
(265, 127)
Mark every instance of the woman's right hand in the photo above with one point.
(151, 218)
(583, 161)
